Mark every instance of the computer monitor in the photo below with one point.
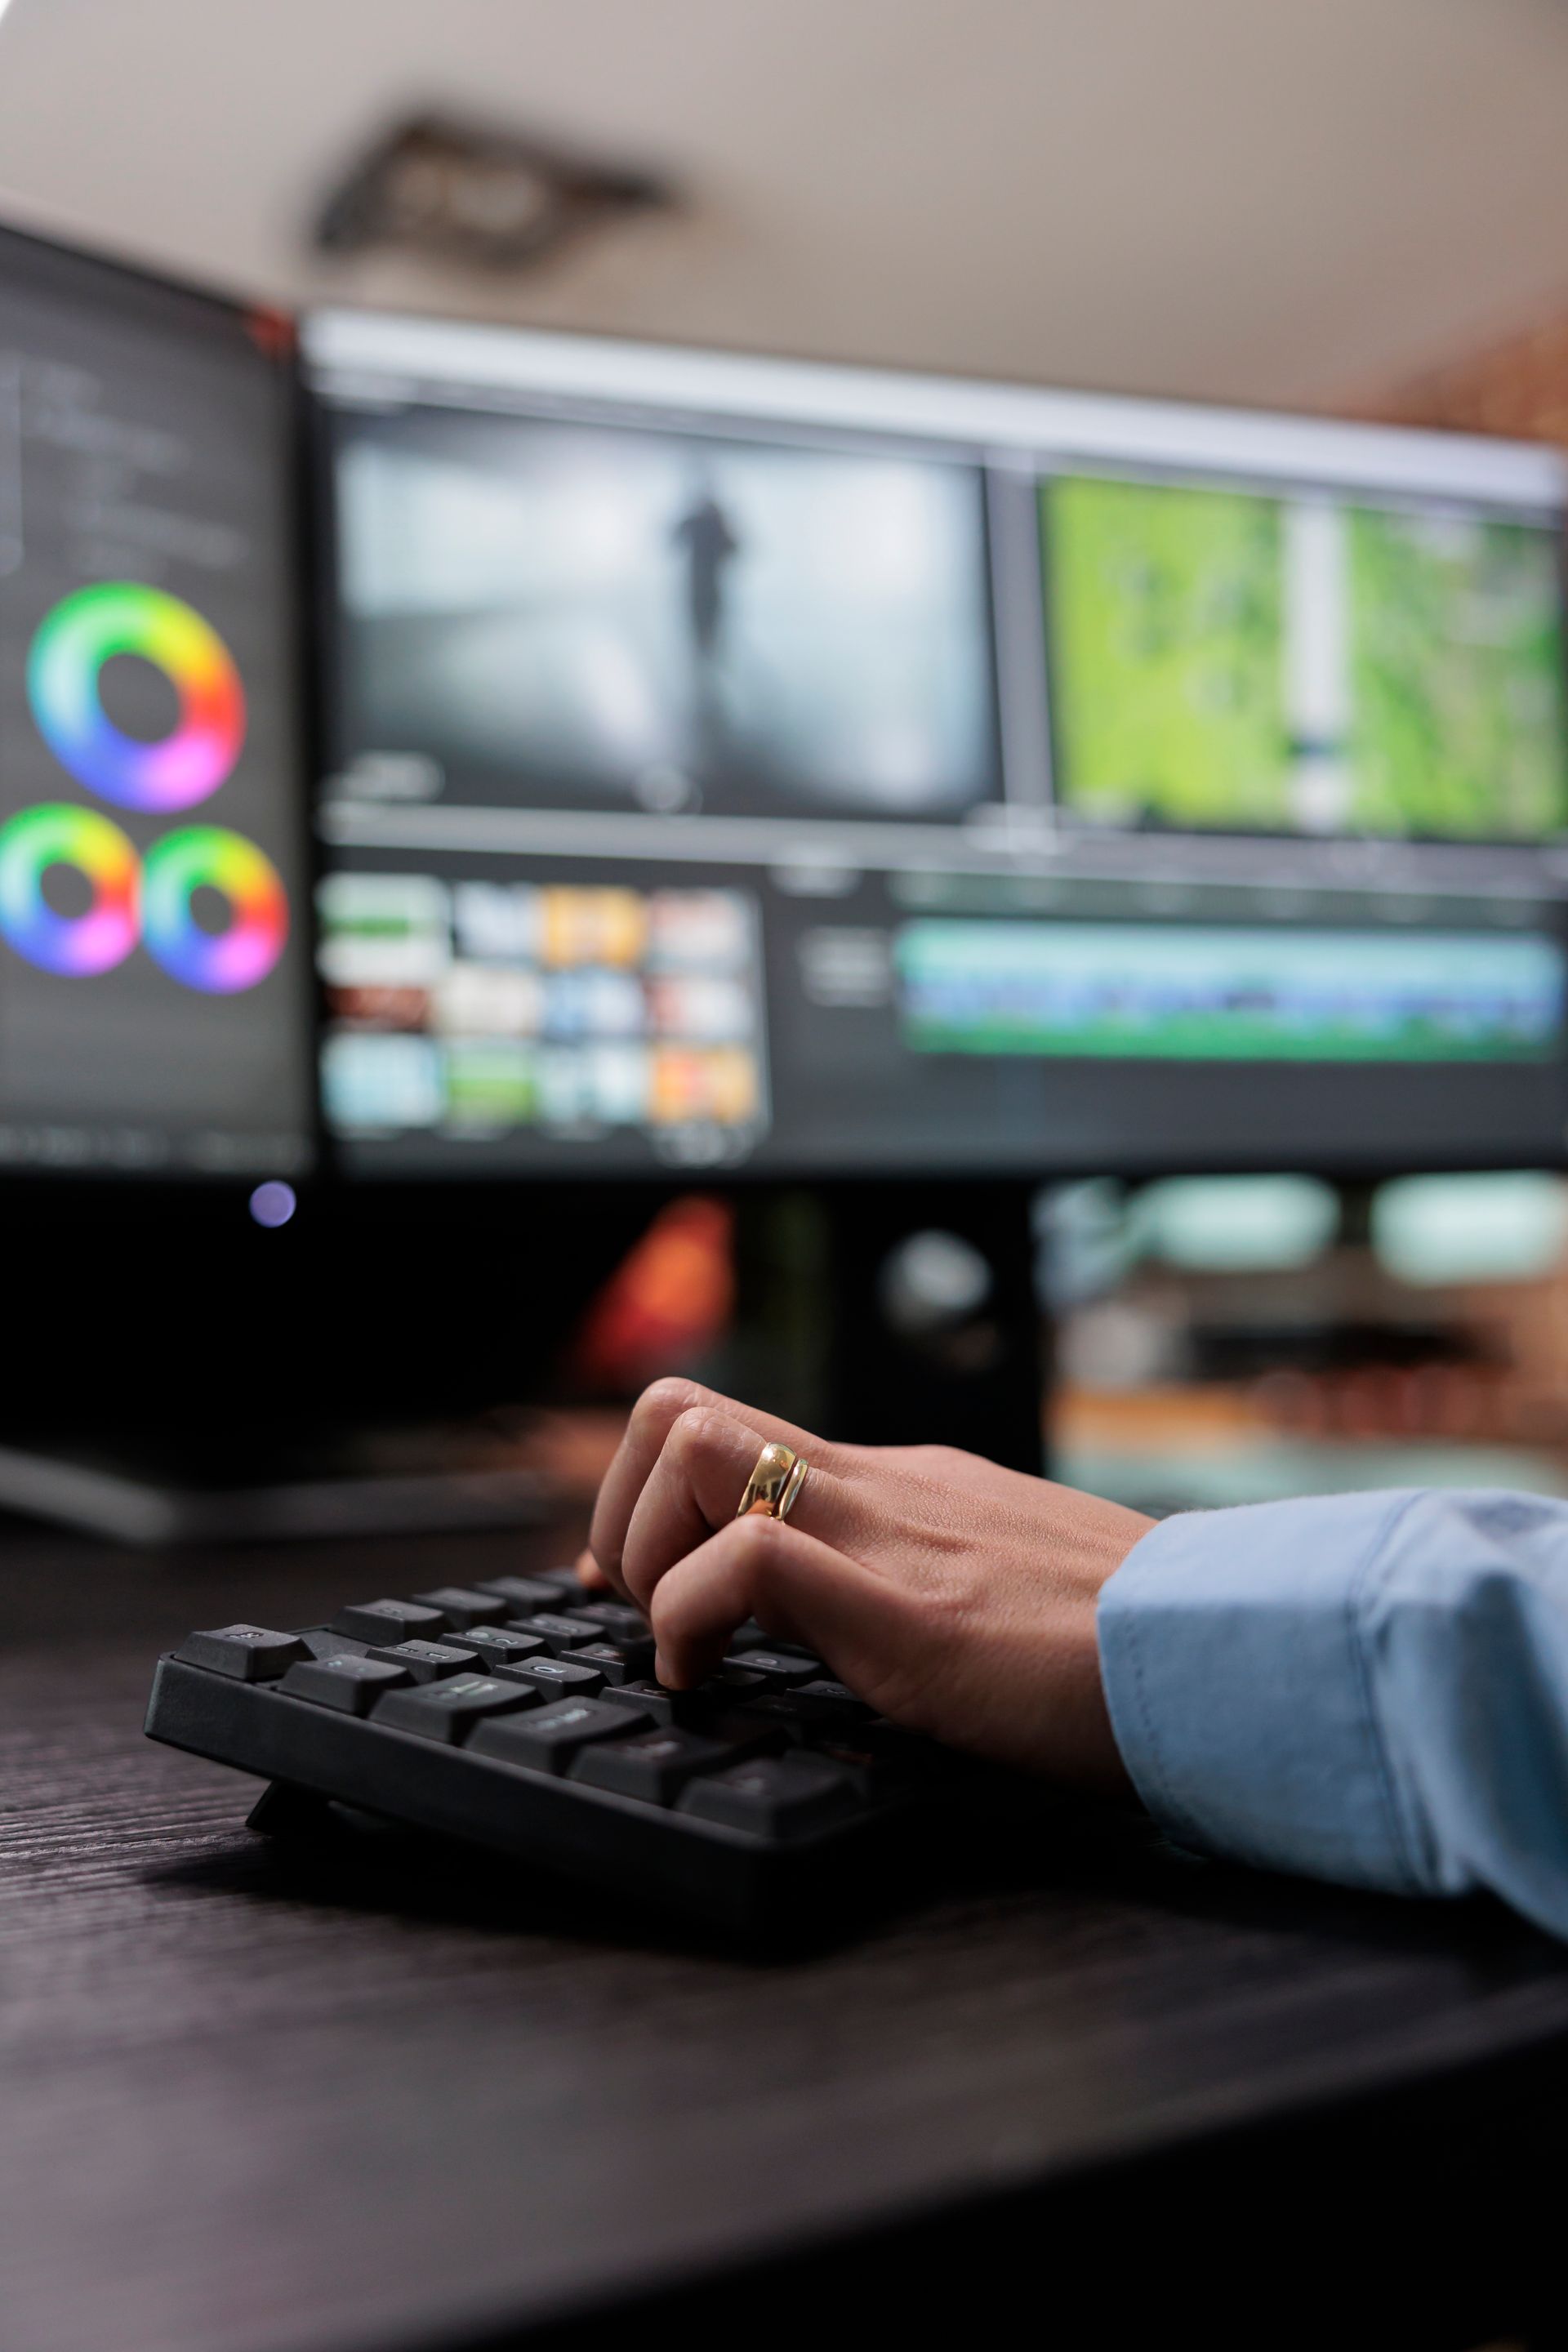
(793, 770)
(156, 995)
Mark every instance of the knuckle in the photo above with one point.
(694, 1433)
(939, 1460)
(664, 1401)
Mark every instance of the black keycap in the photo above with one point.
(751, 1636)
(249, 1652)
(781, 1668)
(746, 1734)
(661, 1706)
(784, 1710)
(716, 1709)
(618, 1662)
(880, 1766)
(564, 1630)
(547, 1674)
(562, 1580)
(390, 1621)
(448, 1709)
(638, 1652)
(351, 1684)
(427, 1662)
(322, 1643)
(502, 1646)
(835, 1700)
(654, 1764)
(462, 1608)
(772, 1794)
(522, 1594)
(620, 1621)
(547, 1742)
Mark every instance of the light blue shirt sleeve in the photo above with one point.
(1372, 1688)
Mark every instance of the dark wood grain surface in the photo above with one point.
(254, 2100)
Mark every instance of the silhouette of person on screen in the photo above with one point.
(704, 535)
(709, 547)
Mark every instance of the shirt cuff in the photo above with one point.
(1238, 1690)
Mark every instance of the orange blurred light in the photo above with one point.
(668, 1300)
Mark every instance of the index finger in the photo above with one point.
(654, 1416)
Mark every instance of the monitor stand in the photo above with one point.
(176, 1374)
(273, 1484)
(344, 1383)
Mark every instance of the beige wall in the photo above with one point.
(1268, 200)
(1516, 384)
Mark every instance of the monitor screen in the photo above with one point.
(769, 767)
(155, 989)
(1230, 661)
(611, 618)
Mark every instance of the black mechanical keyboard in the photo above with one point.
(521, 1714)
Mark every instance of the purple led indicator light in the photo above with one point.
(273, 1203)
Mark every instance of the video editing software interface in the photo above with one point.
(736, 762)
(741, 764)
(155, 984)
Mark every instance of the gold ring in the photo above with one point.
(774, 1484)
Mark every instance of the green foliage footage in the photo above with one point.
(1168, 617)
(1165, 609)
(1458, 678)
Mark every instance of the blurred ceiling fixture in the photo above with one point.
(497, 199)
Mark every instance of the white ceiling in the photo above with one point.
(1276, 199)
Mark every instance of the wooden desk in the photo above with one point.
(253, 2101)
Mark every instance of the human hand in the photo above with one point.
(957, 1597)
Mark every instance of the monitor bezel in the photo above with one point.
(178, 1191)
(1044, 432)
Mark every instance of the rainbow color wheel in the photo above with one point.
(73, 643)
(54, 834)
(205, 856)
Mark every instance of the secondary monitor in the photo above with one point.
(156, 985)
(744, 763)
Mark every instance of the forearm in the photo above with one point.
(1367, 1688)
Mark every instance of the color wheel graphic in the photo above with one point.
(205, 855)
(54, 834)
(73, 643)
